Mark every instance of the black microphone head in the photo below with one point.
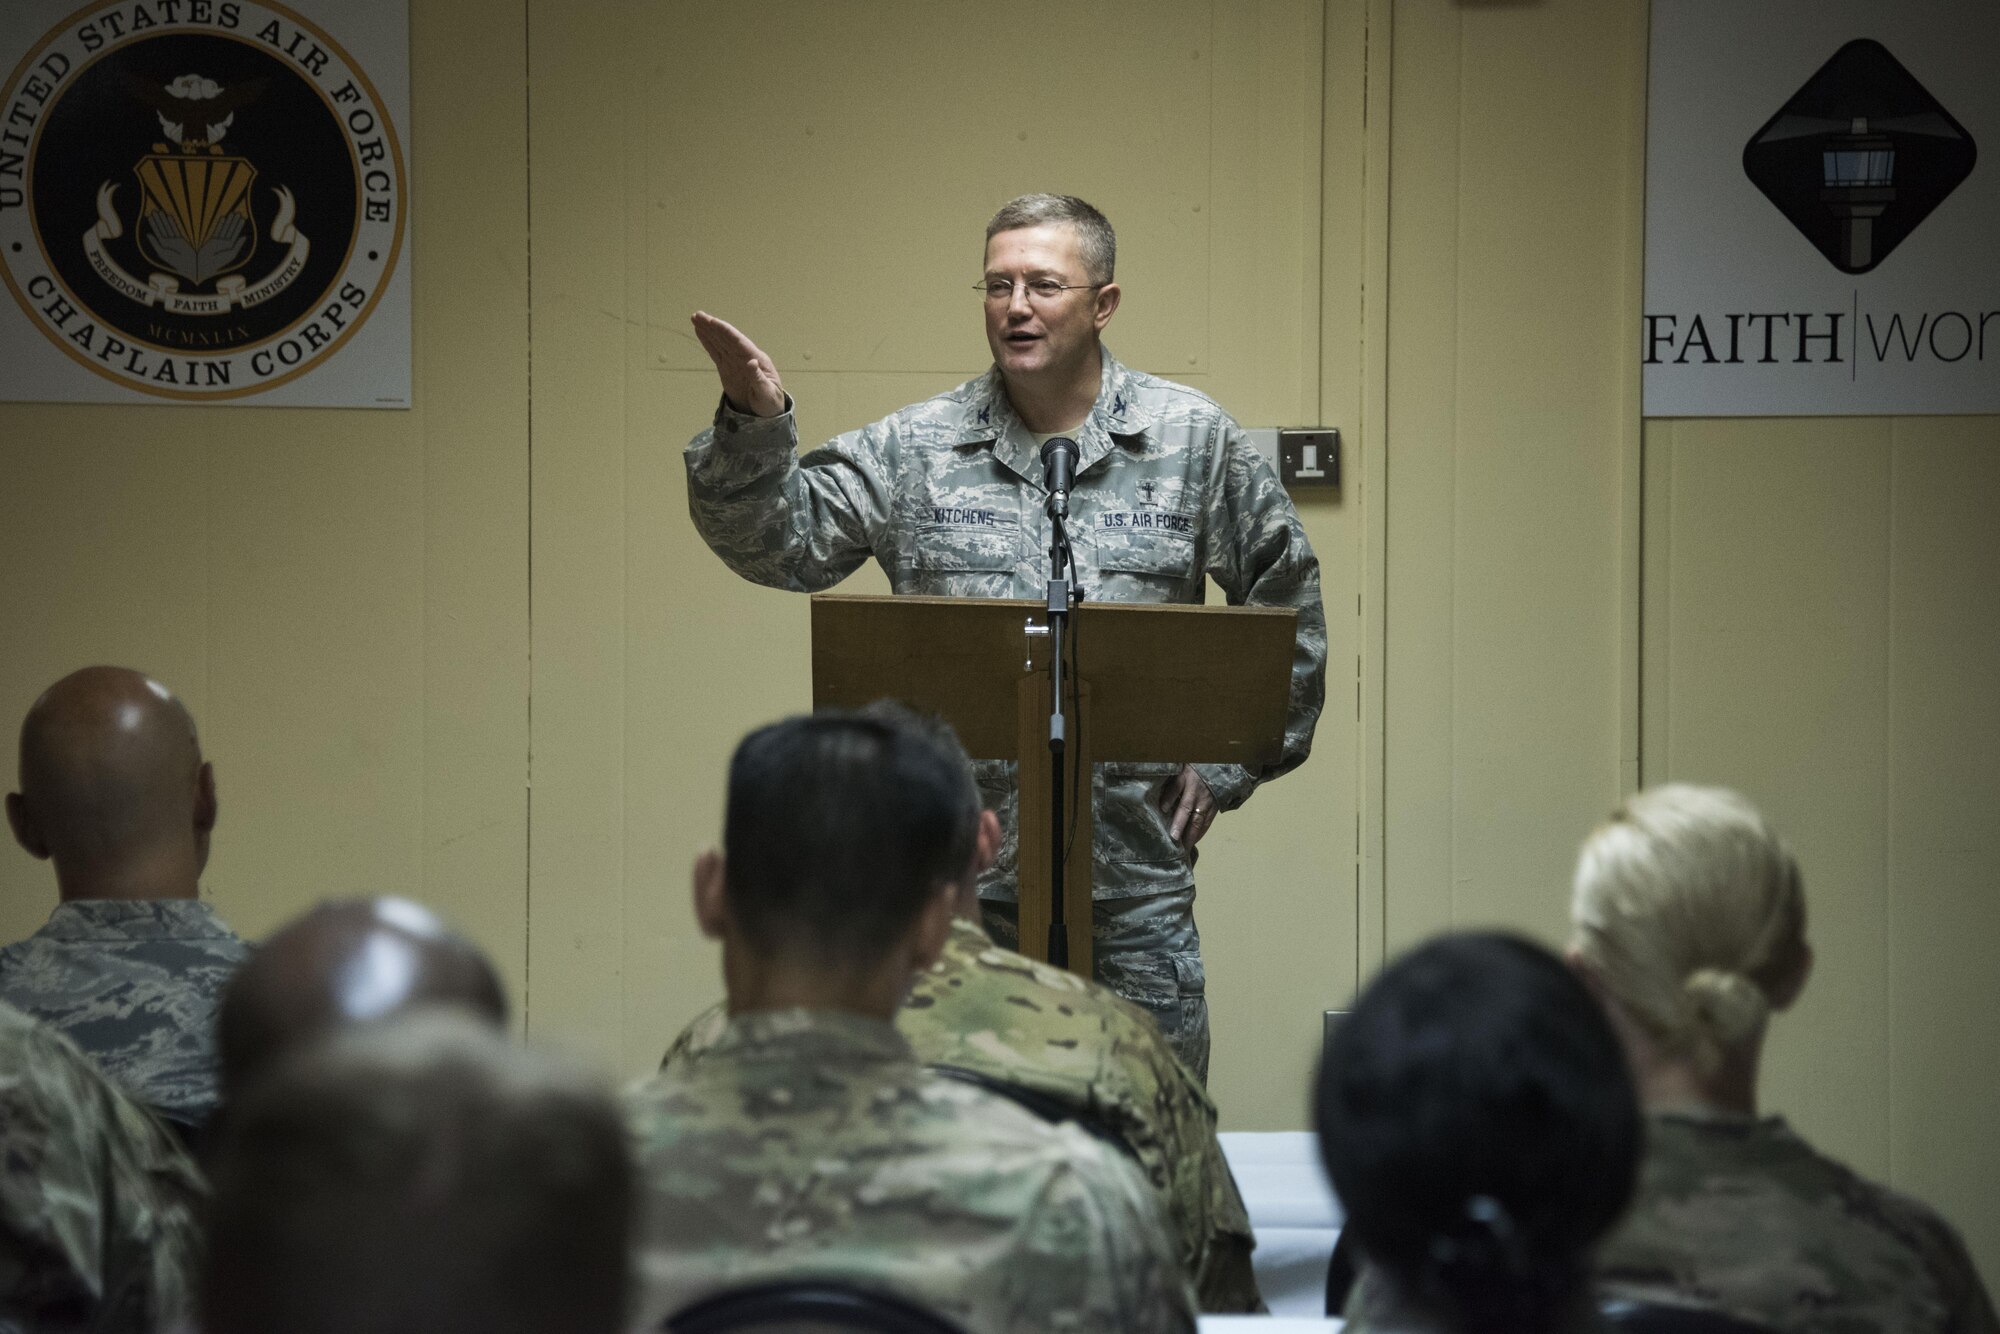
(1058, 472)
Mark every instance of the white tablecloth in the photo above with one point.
(1264, 1324)
(1294, 1216)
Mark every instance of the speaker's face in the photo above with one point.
(1054, 335)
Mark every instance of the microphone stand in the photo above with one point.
(1062, 592)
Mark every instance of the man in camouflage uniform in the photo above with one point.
(131, 964)
(806, 1142)
(1739, 1214)
(1081, 1053)
(97, 1202)
(947, 495)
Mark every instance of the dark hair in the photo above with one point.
(839, 828)
(419, 1176)
(1480, 1126)
(939, 733)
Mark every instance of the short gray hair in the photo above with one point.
(1097, 243)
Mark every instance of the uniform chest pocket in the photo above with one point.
(973, 559)
(1147, 564)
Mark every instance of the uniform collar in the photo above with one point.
(135, 919)
(969, 930)
(1713, 1120)
(989, 418)
(801, 1034)
(968, 940)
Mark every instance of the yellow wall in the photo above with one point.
(1514, 164)
(1418, 220)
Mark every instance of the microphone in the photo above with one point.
(1058, 471)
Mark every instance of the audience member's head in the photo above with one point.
(845, 840)
(1480, 1127)
(986, 842)
(1689, 921)
(113, 788)
(421, 1176)
(342, 963)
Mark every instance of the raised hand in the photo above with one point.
(749, 380)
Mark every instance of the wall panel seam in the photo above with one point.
(1631, 424)
(1377, 74)
(528, 760)
(1889, 797)
(1458, 235)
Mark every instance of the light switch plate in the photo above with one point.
(1309, 457)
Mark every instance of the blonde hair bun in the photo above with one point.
(1727, 1006)
(1689, 909)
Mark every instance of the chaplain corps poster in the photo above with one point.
(1822, 208)
(205, 201)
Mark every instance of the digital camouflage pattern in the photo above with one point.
(810, 1144)
(136, 984)
(1046, 1030)
(97, 1201)
(947, 496)
(1741, 1215)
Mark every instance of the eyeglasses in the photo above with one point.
(1000, 291)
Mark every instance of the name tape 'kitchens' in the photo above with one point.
(200, 199)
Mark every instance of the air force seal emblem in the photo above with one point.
(200, 199)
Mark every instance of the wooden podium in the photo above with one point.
(1156, 682)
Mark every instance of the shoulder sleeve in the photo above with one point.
(1102, 1258)
(96, 1200)
(1969, 1308)
(1258, 555)
(802, 524)
(1169, 1122)
(1223, 1276)
(697, 1037)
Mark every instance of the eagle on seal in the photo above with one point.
(192, 100)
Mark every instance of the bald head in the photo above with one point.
(345, 963)
(113, 787)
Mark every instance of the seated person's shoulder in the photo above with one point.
(1941, 1251)
(1752, 1216)
(47, 1080)
(701, 1033)
(1054, 1171)
(85, 1165)
(1001, 1013)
